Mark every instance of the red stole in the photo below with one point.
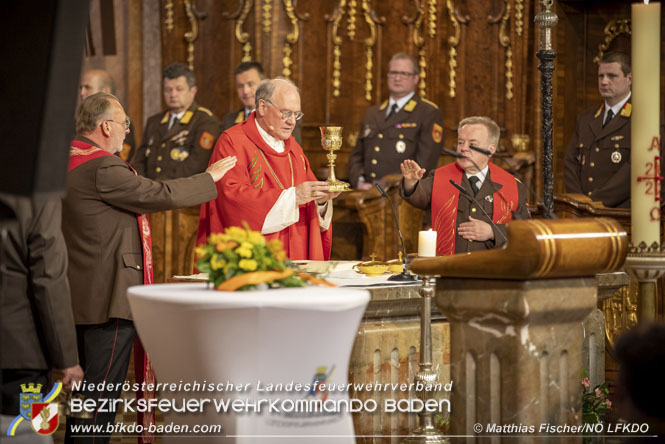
(80, 153)
(445, 201)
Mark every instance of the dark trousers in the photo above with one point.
(104, 353)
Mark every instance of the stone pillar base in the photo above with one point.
(515, 354)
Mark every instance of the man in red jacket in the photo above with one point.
(272, 187)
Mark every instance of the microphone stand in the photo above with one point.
(404, 276)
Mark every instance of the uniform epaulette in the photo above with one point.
(430, 102)
(383, 106)
(626, 110)
(599, 111)
(518, 180)
(410, 106)
(205, 110)
(240, 116)
(165, 117)
(186, 118)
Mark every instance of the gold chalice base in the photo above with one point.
(338, 186)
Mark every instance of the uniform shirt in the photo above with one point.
(180, 151)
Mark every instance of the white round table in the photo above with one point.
(250, 340)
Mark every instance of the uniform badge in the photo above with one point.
(179, 139)
(366, 131)
(179, 154)
(400, 146)
(206, 140)
(437, 133)
(616, 157)
(40, 411)
(615, 138)
(489, 198)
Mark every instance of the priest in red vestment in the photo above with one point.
(272, 187)
(476, 219)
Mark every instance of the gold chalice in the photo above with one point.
(331, 141)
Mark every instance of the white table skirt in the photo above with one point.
(193, 333)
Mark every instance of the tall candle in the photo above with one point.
(644, 145)
(427, 243)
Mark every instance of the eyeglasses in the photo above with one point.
(286, 115)
(400, 73)
(125, 124)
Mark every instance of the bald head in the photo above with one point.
(94, 81)
(276, 98)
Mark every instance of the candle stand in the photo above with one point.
(427, 376)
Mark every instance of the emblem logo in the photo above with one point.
(29, 394)
(400, 146)
(39, 410)
(319, 379)
(616, 156)
(206, 140)
(44, 417)
(437, 133)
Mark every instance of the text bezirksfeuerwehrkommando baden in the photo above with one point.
(259, 386)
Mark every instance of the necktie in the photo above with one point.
(172, 121)
(393, 110)
(609, 116)
(474, 185)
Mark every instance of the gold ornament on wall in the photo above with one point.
(168, 15)
(372, 20)
(612, 30)
(431, 19)
(292, 37)
(337, 50)
(266, 13)
(242, 36)
(419, 42)
(519, 16)
(504, 39)
(351, 20)
(193, 33)
(453, 42)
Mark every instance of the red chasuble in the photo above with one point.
(80, 153)
(250, 189)
(445, 201)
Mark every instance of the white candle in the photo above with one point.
(645, 210)
(427, 243)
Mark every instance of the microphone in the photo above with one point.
(473, 199)
(404, 275)
(494, 190)
(455, 154)
(481, 150)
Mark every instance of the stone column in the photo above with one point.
(516, 352)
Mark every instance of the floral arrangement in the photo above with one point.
(242, 259)
(595, 402)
